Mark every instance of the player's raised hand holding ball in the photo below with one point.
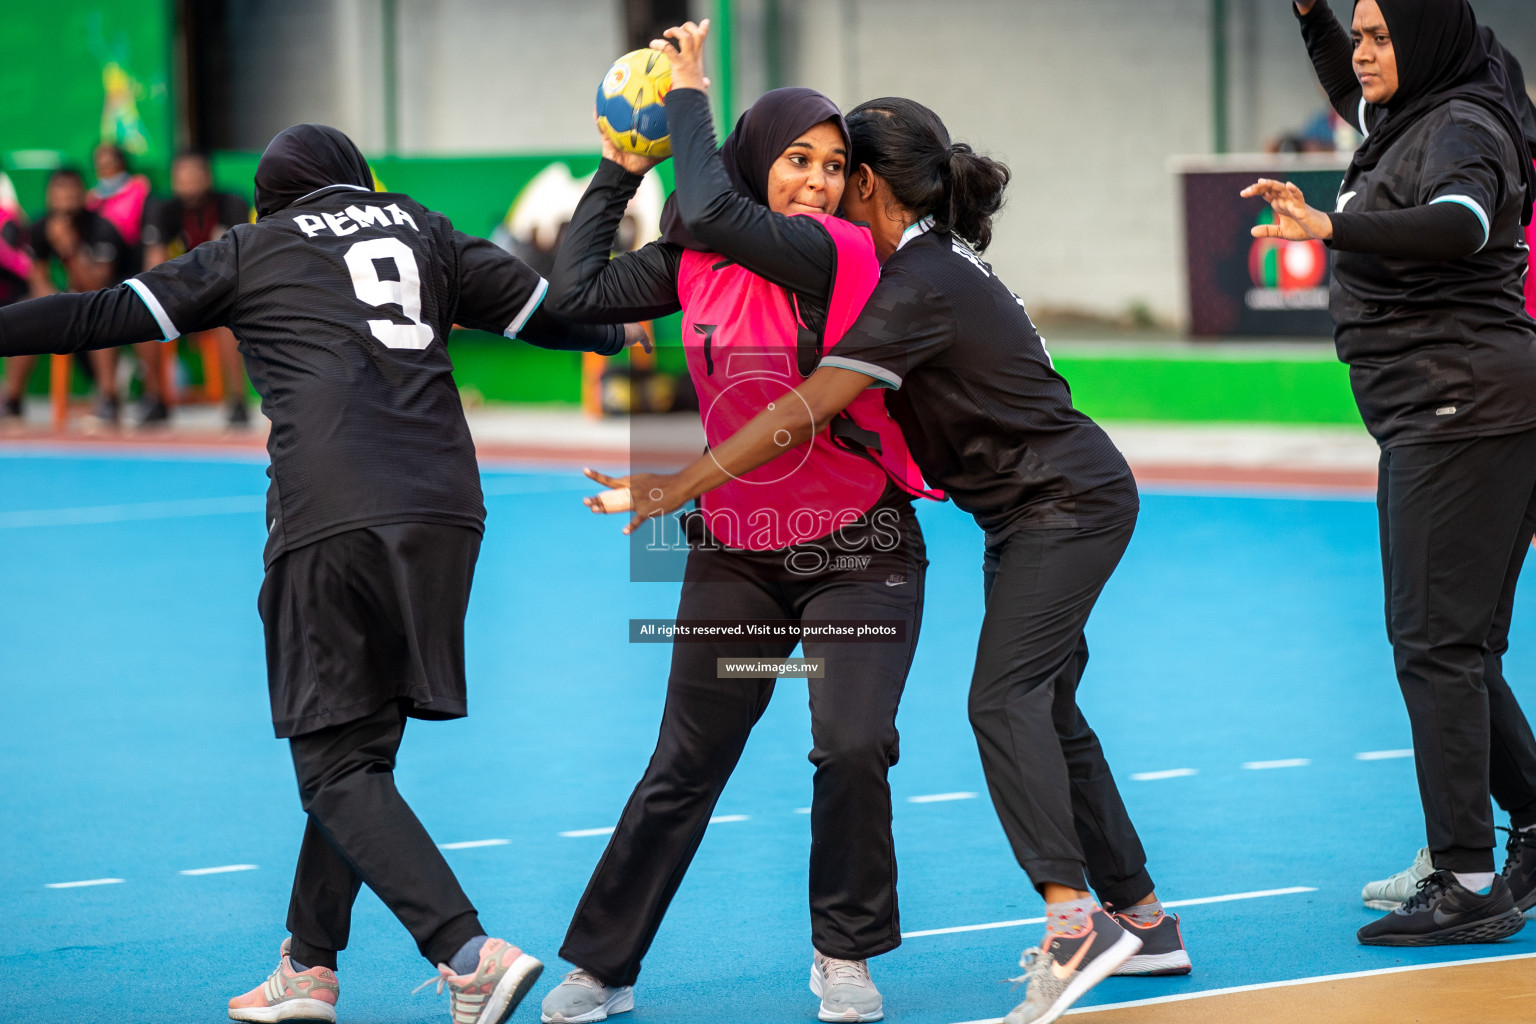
(686, 50)
(631, 109)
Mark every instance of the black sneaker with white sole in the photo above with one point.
(1520, 867)
(1444, 912)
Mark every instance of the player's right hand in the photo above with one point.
(1305, 6)
(684, 47)
(634, 163)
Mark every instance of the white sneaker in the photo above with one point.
(846, 991)
(1389, 893)
(582, 999)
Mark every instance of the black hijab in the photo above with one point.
(1442, 56)
(762, 134)
(304, 158)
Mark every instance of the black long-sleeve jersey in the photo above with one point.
(985, 413)
(586, 285)
(342, 304)
(1429, 268)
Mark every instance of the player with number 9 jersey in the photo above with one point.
(342, 299)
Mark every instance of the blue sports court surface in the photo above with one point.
(1241, 683)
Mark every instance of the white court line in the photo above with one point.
(77, 885)
(1199, 901)
(1284, 762)
(1169, 773)
(1383, 755)
(473, 844)
(802, 810)
(938, 798)
(95, 514)
(583, 832)
(223, 870)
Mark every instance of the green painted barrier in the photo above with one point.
(1211, 390)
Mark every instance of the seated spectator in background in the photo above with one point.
(92, 254)
(118, 196)
(194, 215)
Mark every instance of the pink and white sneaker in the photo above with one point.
(289, 995)
(489, 995)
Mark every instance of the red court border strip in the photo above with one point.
(1159, 475)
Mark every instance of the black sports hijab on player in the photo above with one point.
(764, 131)
(304, 158)
(1442, 56)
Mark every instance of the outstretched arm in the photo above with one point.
(76, 322)
(590, 284)
(1439, 230)
(1332, 53)
(500, 293)
(795, 418)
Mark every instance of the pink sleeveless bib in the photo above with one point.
(747, 346)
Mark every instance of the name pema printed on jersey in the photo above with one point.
(353, 219)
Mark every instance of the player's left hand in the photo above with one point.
(686, 51)
(1295, 221)
(636, 334)
(647, 495)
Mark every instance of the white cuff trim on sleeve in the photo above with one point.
(528, 307)
(162, 318)
(1471, 204)
(880, 373)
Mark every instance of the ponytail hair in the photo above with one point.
(907, 145)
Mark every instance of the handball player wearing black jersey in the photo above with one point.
(1428, 306)
(990, 421)
(342, 299)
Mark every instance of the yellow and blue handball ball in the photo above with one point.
(629, 103)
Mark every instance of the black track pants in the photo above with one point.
(705, 725)
(360, 831)
(1045, 769)
(1456, 522)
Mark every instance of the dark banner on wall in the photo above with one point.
(1241, 286)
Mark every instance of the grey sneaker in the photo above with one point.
(1061, 971)
(846, 991)
(1389, 893)
(581, 999)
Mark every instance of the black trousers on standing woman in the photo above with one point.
(705, 725)
(1456, 523)
(1045, 770)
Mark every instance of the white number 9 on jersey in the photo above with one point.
(363, 264)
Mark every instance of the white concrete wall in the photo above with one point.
(1085, 99)
(492, 76)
